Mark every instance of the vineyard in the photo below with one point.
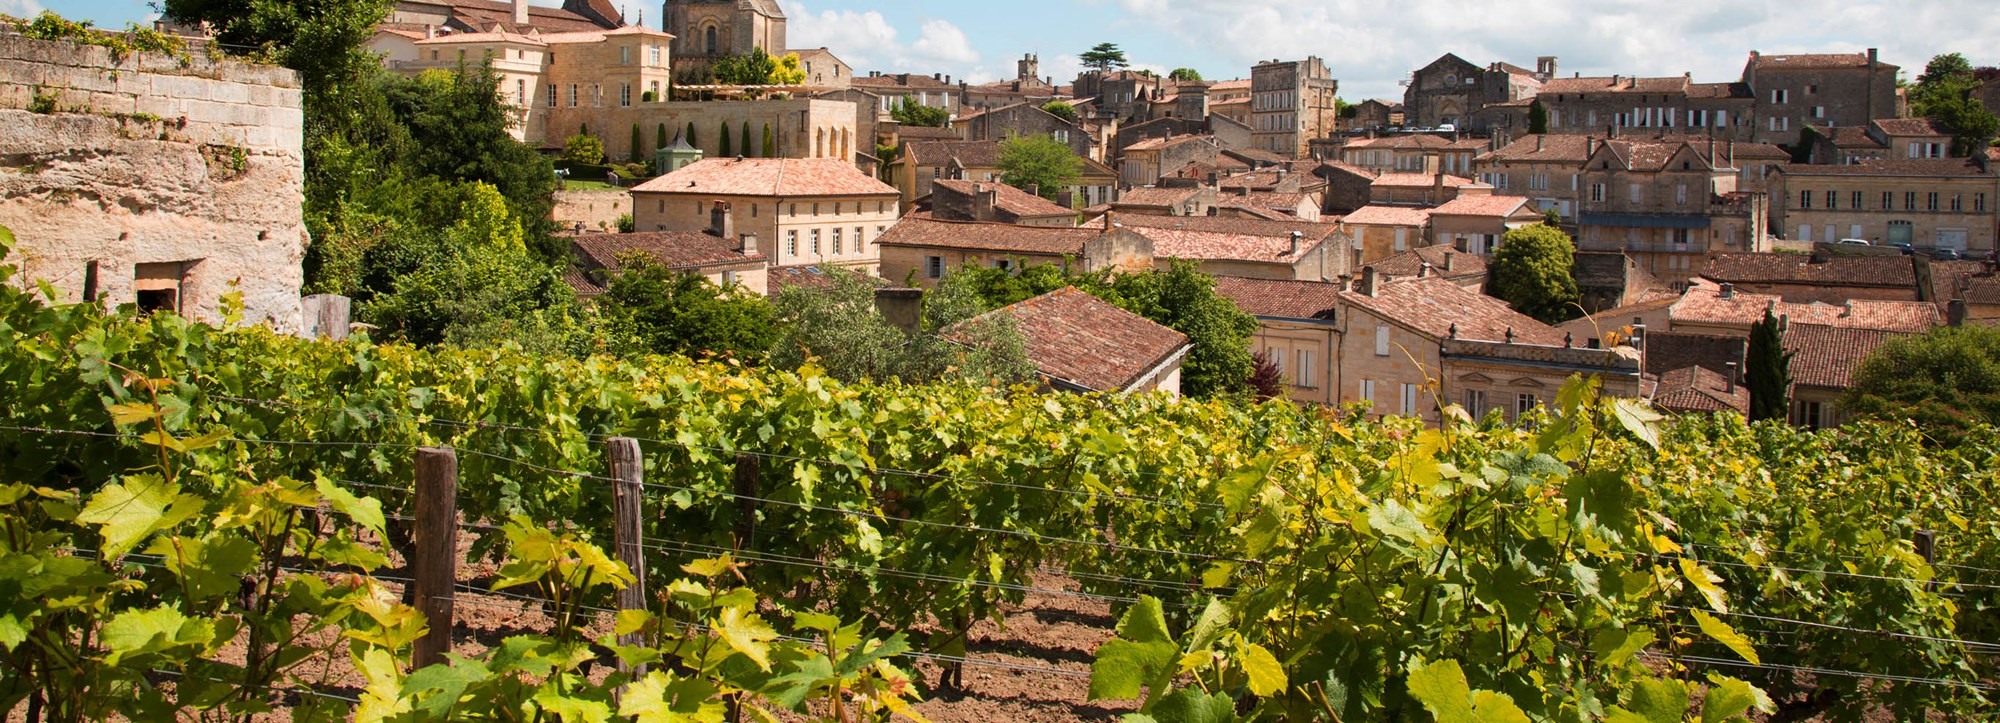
(195, 521)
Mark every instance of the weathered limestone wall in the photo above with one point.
(166, 173)
(596, 210)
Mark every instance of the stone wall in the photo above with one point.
(179, 177)
(596, 210)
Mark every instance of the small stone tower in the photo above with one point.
(1029, 67)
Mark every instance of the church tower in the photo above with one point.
(705, 30)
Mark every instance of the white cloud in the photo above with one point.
(20, 8)
(1370, 47)
(867, 41)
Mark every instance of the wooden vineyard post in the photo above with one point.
(1926, 544)
(747, 466)
(435, 565)
(627, 493)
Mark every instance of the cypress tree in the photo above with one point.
(1770, 370)
(660, 139)
(748, 150)
(690, 136)
(770, 143)
(1538, 117)
(638, 144)
(725, 152)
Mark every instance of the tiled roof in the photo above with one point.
(1077, 339)
(1616, 84)
(580, 282)
(1222, 238)
(1700, 390)
(1774, 268)
(1435, 305)
(927, 133)
(809, 276)
(1983, 291)
(1668, 350)
(1327, 169)
(785, 177)
(1238, 84)
(1253, 179)
(1703, 303)
(1895, 167)
(900, 80)
(1421, 180)
(1272, 200)
(970, 154)
(598, 36)
(502, 37)
(1826, 356)
(1949, 278)
(1849, 137)
(1543, 149)
(1010, 199)
(1156, 196)
(1716, 90)
(1153, 143)
(674, 249)
(1388, 216)
(1912, 127)
(1495, 206)
(1042, 240)
(1282, 299)
(546, 19)
(1413, 141)
(1806, 61)
(1411, 263)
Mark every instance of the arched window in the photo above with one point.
(711, 40)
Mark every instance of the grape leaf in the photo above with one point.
(1726, 635)
(1267, 676)
(1659, 700)
(1441, 687)
(1705, 582)
(1729, 699)
(129, 510)
(1639, 418)
(747, 633)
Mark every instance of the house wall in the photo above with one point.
(1290, 104)
(1306, 351)
(1975, 197)
(1027, 121)
(186, 169)
(899, 262)
(596, 210)
(1412, 360)
(785, 227)
(1820, 96)
(1383, 241)
(801, 127)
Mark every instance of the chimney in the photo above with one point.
(430, 31)
(1341, 282)
(1728, 291)
(1034, 189)
(1847, 310)
(1538, 142)
(1590, 145)
(1510, 335)
(1954, 313)
(1296, 236)
(1109, 223)
(1448, 260)
(521, 13)
(937, 77)
(1368, 281)
(1730, 376)
(1871, 57)
(902, 308)
(1639, 337)
(1611, 131)
(721, 223)
(747, 243)
(1423, 271)
(984, 202)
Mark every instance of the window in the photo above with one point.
(1979, 202)
(933, 267)
(1409, 399)
(625, 96)
(1810, 415)
(1819, 111)
(815, 241)
(1303, 376)
(521, 93)
(1681, 194)
(1368, 390)
(1402, 240)
(663, 205)
(1525, 403)
(1633, 192)
(792, 242)
(1781, 124)
(1854, 201)
(1779, 95)
(1910, 201)
(656, 55)
(572, 95)
(1720, 118)
(728, 278)
(1597, 192)
(1805, 199)
(1888, 200)
(596, 95)
(1805, 232)
(860, 246)
(1832, 200)
(625, 55)
(1003, 264)
(1931, 201)
(1475, 402)
(1958, 202)
(1381, 340)
(552, 95)
(838, 245)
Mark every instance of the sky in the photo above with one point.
(1370, 45)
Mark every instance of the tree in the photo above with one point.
(659, 310)
(1945, 91)
(1538, 117)
(909, 113)
(1267, 381)
(1184, 74)
(1531, 271)
(1769, 375)
(583, 149)
(1946, 380)
(1040, 162)
(748, 150)
(787, 70)
(660, 138)
(839, 329)
(725, 151)
(1061, 110)
(1552, 217)
(638, 145)
(752, 69)
(690, 135)
(1104, 57)
(770, 143)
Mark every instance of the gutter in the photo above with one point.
(1154, 372)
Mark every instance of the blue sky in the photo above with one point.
(1369, 44)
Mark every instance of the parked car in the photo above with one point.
(1946, 254)
(1854, 242)
(1907, 249)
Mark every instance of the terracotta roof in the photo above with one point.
(674, 249)
(1912, 127)
(502, 37)
(1703, 304)
(1849, 137)
(1715, 90)
(1272, 200)
(1156, 196)
(1411, 263)
(1983, 291)
(1420, 180)
(581, 283)
(1949, 278)
(546, 19)
(1895, 271)
(1826, 356)
(1345, 167)
(1495, 206)
(1806, 61)
(1669, 350)
(809, 276)
(595, 36)
(1010, 199)
(1388, 216)
(1006, 237)
(784, 177)
(1543, 149)
(900, 80)
(1700, 390)
(914, 133)
(1252, 179)
(1616, 84)
(1078, 340)
(1896, 167)
(1434, 305)
(1221, 238)
(1153, 143)
(1281, 299)
(1238, 84)
(970, 154)
(1413, 141)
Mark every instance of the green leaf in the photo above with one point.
(12, 632)
(133, 633)
(746, 633)
(1122, 667)
(1192, 705)
(1730, 699)
(1705, 582)
(1210, 626)
(131, 413)
(632, 621)
(1638, 418)
(1619, 647)
(645, 700)
(1659, 700)
(1726, 635)
(364, 511)
(1491, 707)
(1267, 676)
(1399, 523)
(1146, 622)
(129, 510)
(1441, 687)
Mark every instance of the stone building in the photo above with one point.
(1027, 86)
(1079, 343)
(1719, 309)
(800, 127)
(548, 77)
(1144, 163)
(1882, 139)
(161, 181)
(1122, 95)
(935, 90)
(708, 30)
(724, 262)
(1830, 89)
(1475, 224)
(953, 200)
(1607, 280)
(805, 211)
(823, 69)
(1023, 120)
(1649, 106)
(1348, 187)
(1451, 91)
(1822, 369)
(1667, 205)
(1380, 232)
(1255, 248)
(1414, 152)
(1291, 103)
(1369, 114)
(427, 17)
(925, 250)
(1820, 277)
(1230, 99)
(1945, 203)
(1296, 330)
(1180, 198)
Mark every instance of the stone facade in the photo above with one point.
(800, 127)
(1451, 91)
(705, 30)
(824, 69)
(556, 80)
(1844, 89)
(794, 227)
(1667, 205)
(1022, 120)
(1122, 95)
(595, 210)
(1146, 162)
(1943, 203)
(1291, 103)
(169, 182)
